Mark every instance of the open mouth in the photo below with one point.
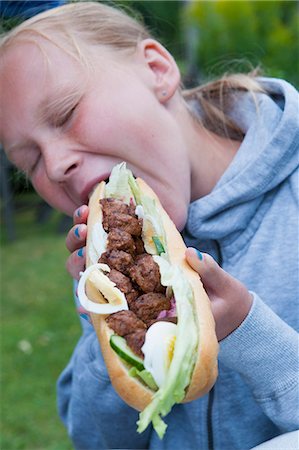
(86, 193)
(92, 185)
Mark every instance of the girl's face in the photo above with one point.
(66, 126)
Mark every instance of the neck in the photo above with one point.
(209, 154)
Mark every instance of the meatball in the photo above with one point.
(111, 206)
(117, 214)
(122, 282)
(125, 222)
(117, 259)
(139, 246)
(125, 322)
(135, 341)
(145, 273)
(148, 306)
(120, 240)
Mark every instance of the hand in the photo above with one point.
(76, 242)
(230, 299)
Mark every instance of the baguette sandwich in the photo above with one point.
(148, 307)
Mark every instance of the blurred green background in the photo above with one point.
(39, 325)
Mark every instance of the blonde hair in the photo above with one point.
(98, 24)
(90, 22)
(212, 102)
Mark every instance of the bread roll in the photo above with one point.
(134, 392)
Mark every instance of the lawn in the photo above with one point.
(38, 332)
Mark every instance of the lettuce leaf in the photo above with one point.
(152, 222)
(184, 358)
(122, 185)
(118, 185)
(134, 187)
(152, 227)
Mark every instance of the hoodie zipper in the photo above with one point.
(209, 420)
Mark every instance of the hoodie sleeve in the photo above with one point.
(95, 416)
(264, 350)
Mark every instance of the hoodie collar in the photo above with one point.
(266, 157)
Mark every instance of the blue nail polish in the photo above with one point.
(85, 317)
(200, 255)
(80, 252)
(78, 212)
(77, 232)
(83, 314)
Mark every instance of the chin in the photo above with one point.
(181, 224)
(66, 210)
(179, 217)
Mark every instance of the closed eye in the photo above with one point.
(64, 118)
(58, 108)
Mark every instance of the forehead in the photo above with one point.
(36, 57)
(29, 73)
(48, 61)
(34, 71)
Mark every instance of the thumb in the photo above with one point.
(230, 299)
(213, 277)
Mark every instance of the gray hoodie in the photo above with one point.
(249, 223)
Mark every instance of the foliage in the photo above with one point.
(230, 35)
(38, 333)
(162, 18)
(8, 24)
(263, 33)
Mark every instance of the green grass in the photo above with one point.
(38, 333)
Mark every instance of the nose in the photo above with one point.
(61, 160)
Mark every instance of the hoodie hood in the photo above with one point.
(267, 156)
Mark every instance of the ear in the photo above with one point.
(166, 74)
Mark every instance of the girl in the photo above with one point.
(84, 87)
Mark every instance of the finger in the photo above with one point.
(230, 299)
(76, 263)
(229, 312)
(81, 214)
(76, 237)
(84, 314)
(212, 275)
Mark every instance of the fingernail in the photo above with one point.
(199, 254)
(83, 314)
(78, 212)
(77, 232)
(85, 317)
(80, 252)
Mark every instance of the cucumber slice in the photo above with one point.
(145, 376)
(158, 244)
(120, 346)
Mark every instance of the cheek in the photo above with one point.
(40, 185)
(53, 195)
(45, 191)
(95, 128)
(106, 122)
